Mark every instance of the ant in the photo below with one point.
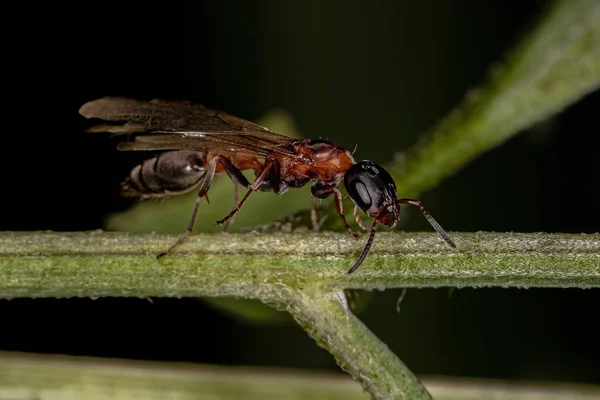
(199, 142)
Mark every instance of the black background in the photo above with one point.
(346, 70)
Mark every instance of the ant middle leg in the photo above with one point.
(314, 218)
(313, 214)
(235, 201)
(270, 164)
(239, 180)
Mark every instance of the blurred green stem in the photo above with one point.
(556, 65)
(26, 376)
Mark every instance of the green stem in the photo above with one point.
(554, 67)
(357, 350)
(298, 272)
(267, 266)
(31, 376)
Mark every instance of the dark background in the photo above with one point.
(348, 71)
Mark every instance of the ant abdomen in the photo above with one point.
(172, 172)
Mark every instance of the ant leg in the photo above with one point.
(236, 176)
(357, 217)
(235, 201)
(322, 191)
(238, 179)
(432, 221)
(365, 251)
(339, 208)
(269, 164)
(313, 214)
(208, 177)
(314, 217)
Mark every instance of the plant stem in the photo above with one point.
(31, 376)
(266, 266)
(26, 376)
(356, 349)
(556, 65)
(301, 272)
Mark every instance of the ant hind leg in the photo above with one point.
(203, 192)
(236, 176)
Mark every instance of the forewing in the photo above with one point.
(162, 125)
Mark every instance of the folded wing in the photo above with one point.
(168, 125)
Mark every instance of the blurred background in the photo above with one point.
(376, 74)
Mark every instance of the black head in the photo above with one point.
(373, 190)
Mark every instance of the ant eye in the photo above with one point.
(360, 195)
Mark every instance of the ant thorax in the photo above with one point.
(324, 161)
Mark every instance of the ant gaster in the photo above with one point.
(198, 142)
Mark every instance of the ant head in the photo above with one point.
(373, 190)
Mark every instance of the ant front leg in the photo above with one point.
(429, 218)
(322, 191)
(270, 164)
(358, 220)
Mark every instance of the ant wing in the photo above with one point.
(209, 141)
(163, 125)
